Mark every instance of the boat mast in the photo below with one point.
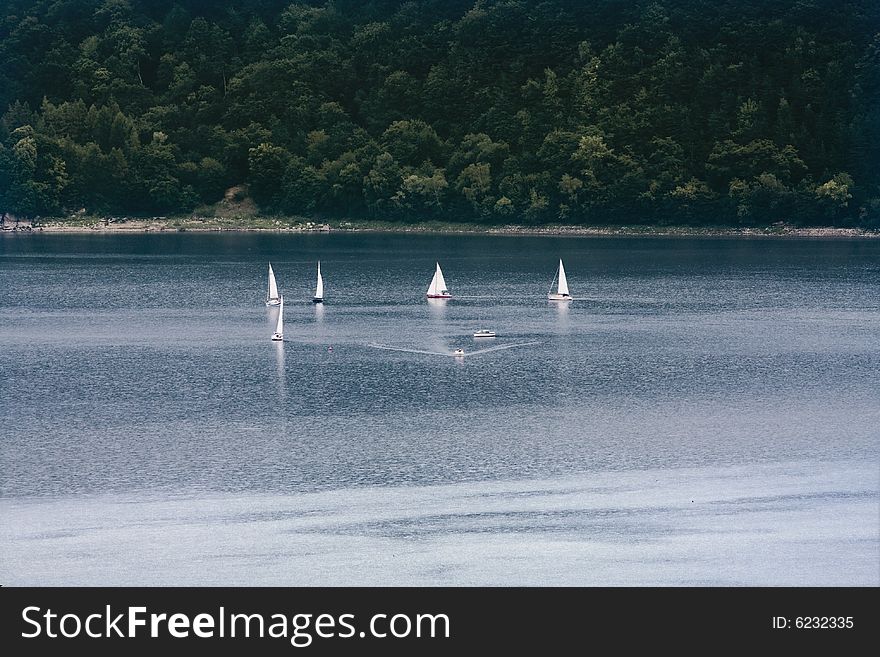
(553, 282)
(279, 325)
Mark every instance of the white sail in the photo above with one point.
(319, 288)
(432, 288)
(273, 286)
(563, 282)
(279, 325)
(437, 288)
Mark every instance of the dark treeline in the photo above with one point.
(601, 111)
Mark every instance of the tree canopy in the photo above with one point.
(549, 111)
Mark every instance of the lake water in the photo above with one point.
(707, 411)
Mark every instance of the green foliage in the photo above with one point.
(267, 165)
(739, 111)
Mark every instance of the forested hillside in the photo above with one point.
(601, 111)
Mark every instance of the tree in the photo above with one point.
(834, 195)
(267, 165)
(412, 143)
(475, 184)
(539, 111)
(694, 200)
(381, 185)
(423, 192)
(33, 176)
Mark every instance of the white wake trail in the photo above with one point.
(450, 354)
(411, 351)
(500, 347)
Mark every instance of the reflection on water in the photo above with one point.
(271, 319)
(563, 309)
(436, 338)
(655, 526)
(146, 438)
(279, 369)
(438, 306)
(690, 352)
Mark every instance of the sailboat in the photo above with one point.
(272, 296)
(278, 335)
(561, 293)
(437, 288)
(319, 288)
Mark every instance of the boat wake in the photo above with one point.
(449, 353)
(501, 347)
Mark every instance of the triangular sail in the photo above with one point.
(432, 288)
(441, 282)
(438, 284)
(319, 288)
(273, 286)
(279, 325)
(563, 282)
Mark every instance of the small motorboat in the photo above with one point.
(458, 352)
(484, 333)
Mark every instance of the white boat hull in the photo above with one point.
(273, 302)
(559, 297)
(486, 334)
(277, 337)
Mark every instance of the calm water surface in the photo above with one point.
(141, 365)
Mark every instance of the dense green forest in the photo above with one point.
(602, 111)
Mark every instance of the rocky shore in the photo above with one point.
(297, 225)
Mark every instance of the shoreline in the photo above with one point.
(288, 225)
